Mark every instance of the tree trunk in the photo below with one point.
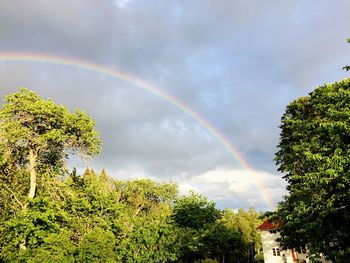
(32, 171)
(32, 186)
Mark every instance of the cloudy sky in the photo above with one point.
(235, 63)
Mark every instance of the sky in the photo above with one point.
(216, 77)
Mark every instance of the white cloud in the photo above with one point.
(125, 174)
(242, 187)
(122, 3)
(186, 188)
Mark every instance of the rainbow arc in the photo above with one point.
(27, 57)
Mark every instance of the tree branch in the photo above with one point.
(14, 195)
(347, 68)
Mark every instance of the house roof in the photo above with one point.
(269, 224)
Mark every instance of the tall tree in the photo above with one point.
(38, 134)
(195, 216)
(146, 234)
(314, 154)
(244, 222)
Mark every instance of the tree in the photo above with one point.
(314, 154)
(195, 216)
(37, 134)
(144, 231)
(194, 211)
(41, 233)
(222, 243)
(97, 246)
(245, 223)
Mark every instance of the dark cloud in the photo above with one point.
(237, 63)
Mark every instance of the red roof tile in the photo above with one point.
(269, 224)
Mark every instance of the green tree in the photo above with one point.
(145, 233)
(38, 134)
(245, 223)
(314, 154)
(194, 211)
(195, 216)
(40, 234)
(97, 246)
(222, 243)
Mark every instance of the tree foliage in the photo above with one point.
(206, 233)
(314, 154)
(39, 134)
(195, 211)
(245, 223)
(50, 214)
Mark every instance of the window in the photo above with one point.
(276, 251)
(273, 231)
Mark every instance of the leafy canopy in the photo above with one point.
(30, 122)
(314, 154)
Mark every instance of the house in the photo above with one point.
(272, 251)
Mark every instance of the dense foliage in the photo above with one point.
(314, 154)
(36, 135)
(61, 216)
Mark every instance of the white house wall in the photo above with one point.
(269, 242)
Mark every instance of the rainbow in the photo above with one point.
(113, 73)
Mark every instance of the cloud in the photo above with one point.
(122, 3)
(248, 187)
